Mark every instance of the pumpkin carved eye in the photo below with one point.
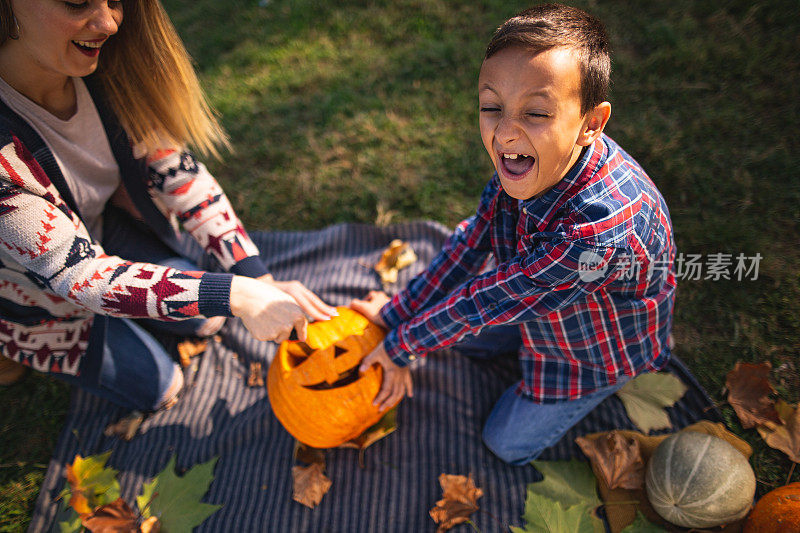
(315, 388)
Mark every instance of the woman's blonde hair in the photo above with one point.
(149, 81)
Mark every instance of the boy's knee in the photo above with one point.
(503, 447)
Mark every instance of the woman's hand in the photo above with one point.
(370, 306)
(268, 313)
(307, 300)
(396, 379)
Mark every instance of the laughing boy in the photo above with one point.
(569, 258)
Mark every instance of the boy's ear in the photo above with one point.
(594, 122)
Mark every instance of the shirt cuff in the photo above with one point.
(392, 313)
(251, 267)
(215, 294)
(396, 352)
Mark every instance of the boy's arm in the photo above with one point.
(462, 257)
(517, 291)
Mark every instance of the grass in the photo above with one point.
(366, 111)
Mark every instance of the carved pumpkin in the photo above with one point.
(315, 388)
(699, 481)
(778, 511)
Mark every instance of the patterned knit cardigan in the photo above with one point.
(57, 285)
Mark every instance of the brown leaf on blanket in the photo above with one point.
(460, 500)
(307, 455)
(383, 427)
(190, 348)
(115, 517)
(396, 257)
(785, 437)
(256, 377)
(617, 457)
(126, 427)
(310, 484)
(749, 393)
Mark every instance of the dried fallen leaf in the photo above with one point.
(115, 517)
(256, 377)
(645, 397)
(126, 427)
(642, 525)
(749, 393)
(190, 348)
(383, 427)
(151, 525)
(393, 259)
(785, 410)
(717, 429)
(784, 437)
(310, 484)
(618, 458)
(460, 500)
(306, 455)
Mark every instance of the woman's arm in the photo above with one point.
(187, 190)
(190, 192)
(40, 235)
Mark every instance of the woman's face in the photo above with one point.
(59, 39)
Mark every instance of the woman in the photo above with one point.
(95, 116)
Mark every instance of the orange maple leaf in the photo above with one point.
(460, 500)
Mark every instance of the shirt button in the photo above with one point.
(525, 210)
(412, 357)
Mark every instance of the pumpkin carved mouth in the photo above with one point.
(315, 388)
(315, 370)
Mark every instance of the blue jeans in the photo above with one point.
(136, 370)
(519, 429)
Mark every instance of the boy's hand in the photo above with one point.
(396, 379)
(370, 307)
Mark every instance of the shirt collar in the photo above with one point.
(542, 209)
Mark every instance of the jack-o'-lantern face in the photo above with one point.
(315, 388)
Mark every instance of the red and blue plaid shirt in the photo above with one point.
(586, 270)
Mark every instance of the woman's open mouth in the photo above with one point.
(89, 48)
(516, 166)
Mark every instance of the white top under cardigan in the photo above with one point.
(80, 147)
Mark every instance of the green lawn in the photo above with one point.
(367, 112)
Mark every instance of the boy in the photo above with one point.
(582, 282)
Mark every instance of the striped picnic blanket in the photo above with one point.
(439, 430)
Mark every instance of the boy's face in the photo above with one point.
(530, 117)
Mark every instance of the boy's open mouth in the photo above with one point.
(516, 165)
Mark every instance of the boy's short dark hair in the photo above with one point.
(554, 25)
